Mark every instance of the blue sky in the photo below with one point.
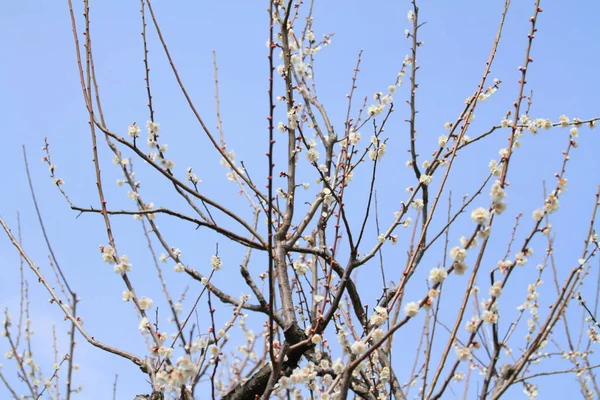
(40, 97)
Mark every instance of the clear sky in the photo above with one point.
(40, 97)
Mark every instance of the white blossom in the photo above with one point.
(145, 303)
(179, 267)
(215, 263)
(496, 289)
(108, 255)
(123, 266)
(127, 295)
(133, 131)
(379, 316)
(411, 309)
(480, 216)
(437, 275)
(463, 353)
(153, 127)
(143, 324)
(471, 325)
(417, 204)
(460, 268)
(312, 155)
(425, 179)
(358, 347)
(458, 254)
(490, 317)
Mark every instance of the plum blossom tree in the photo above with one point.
(360, 276)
